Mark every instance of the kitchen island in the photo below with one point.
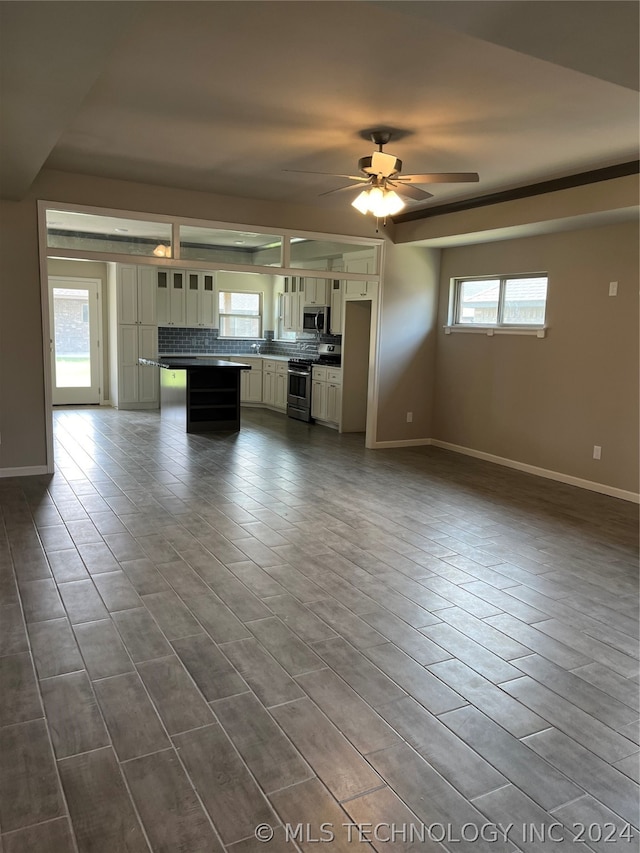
(200, 394)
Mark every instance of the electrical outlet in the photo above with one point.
(409, 417)
(597, 451)
(613, 288)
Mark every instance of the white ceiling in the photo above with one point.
(224, 96)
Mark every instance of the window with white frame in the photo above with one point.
(516, 301)
(240, 314)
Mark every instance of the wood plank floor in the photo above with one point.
(203, 634)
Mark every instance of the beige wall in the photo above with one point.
(407, 342)
(547, 402)
(22, 433)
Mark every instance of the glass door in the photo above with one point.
(75, 340)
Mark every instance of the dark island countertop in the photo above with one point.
(188, 362)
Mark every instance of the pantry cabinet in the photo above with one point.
(133, 334)
(137, 385)
(135, 297)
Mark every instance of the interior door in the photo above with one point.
(75, 340)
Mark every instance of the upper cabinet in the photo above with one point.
(200, 299)
(316, 291)
(172, 304)
(359, 262)
(335, 315)
(136, 296)
(186, 298)
(293, 304)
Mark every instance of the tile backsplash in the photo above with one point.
(175, 341)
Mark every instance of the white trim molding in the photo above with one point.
(26, 471)
(406, 442)
(496, 330)
(591, 486)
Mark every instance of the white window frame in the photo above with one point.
(499, 327)
(260, 315)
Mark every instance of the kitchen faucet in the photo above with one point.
(256, 348)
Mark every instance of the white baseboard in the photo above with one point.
(406, 442)
(26, 471)
(540, 472)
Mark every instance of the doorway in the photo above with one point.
(75, 323)
(355, 365)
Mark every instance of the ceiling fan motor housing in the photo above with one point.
(390, 168)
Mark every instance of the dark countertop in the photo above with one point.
(187, 362)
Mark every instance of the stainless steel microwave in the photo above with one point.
(315, 318)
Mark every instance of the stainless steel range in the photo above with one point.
(299, 376)
(299, 389)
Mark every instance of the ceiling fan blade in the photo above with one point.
(330, 174)
(407, 189)
(347, 187)
(439, 178)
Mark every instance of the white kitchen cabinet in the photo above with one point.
(293, 304)
(250, 380)
(334, 401)
(171, 297)
(251, 386)
(360, 262)
(274, 384)
(318, 400)
(357, 288)
(336, 300)
(282, 386)
(137, 383)
(136, 295)
(268, 386)
(200, 299)
(316, 291)
(326, 395)
(133, 334)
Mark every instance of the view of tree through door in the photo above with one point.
(75, 340)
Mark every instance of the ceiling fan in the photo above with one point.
(382, 182)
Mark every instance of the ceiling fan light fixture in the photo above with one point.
(380, 202)
(162, 251)
(361, 202)
(376, 202)
(393, 202)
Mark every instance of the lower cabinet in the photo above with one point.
(136, 384)
(274, 384)
(326, 395)
(251, 380)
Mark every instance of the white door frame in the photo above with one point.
(59, 280)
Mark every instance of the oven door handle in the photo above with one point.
(298, 372)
